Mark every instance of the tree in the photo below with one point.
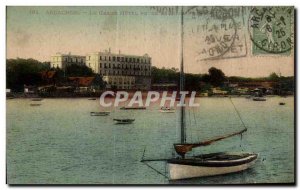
(99, 82)
(23, 71)
(217, 77)
(273, 77)
(78, 71)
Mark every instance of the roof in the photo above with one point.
(48, 74)
(82, 81)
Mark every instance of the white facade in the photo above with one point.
(107, 63)
(62, 60)
(122, 69)
(120, 82)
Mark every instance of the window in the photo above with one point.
(129, 59)
(126, 59)
(100, 65)
(114, 58)
(118, 58)
(109, 58)
(100, 58)
(138, 60)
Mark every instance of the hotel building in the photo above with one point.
(120, 70)
(62, 60)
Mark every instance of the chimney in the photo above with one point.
(119, 51)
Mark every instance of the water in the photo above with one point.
(60, 143)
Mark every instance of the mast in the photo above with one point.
(182, 116)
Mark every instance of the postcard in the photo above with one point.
(150, 95)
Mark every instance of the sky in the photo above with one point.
(39, 32)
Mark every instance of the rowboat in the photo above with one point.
(36, 99)
(259, 99)
(124, 121)
(99, 113)
(132, 108)
(167, 110)
(35, 104)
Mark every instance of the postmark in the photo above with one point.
(216, 32)
(270, 30)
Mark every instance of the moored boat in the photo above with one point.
(281, 103)
(100, 113)
(37, 99)
(35, 104)
(209, 165)
(259, 99)
(167, 110)
(183, 167)
(124, 121)
(132, 108)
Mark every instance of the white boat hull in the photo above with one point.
(181, 171)
(167, 111)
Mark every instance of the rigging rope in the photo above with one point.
(238, 113)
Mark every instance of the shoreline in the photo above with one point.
(89, 96)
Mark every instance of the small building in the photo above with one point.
(218, 91)
(242, 90)
(29, 89)
(83, 84)
(48, 76)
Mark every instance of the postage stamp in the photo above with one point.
(270, 30)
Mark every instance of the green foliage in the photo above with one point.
(273, 77)
(164, 75)
(98, 82)
(78, 71)
(23, 71)
(217, 77)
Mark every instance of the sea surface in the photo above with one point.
(60, 143)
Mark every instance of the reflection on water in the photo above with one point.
(59, 142)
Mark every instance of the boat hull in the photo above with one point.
(99, 113)
(259, 99)
(183, 170)
(124, 121)
(167, 111)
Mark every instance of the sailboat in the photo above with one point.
(184, 167)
